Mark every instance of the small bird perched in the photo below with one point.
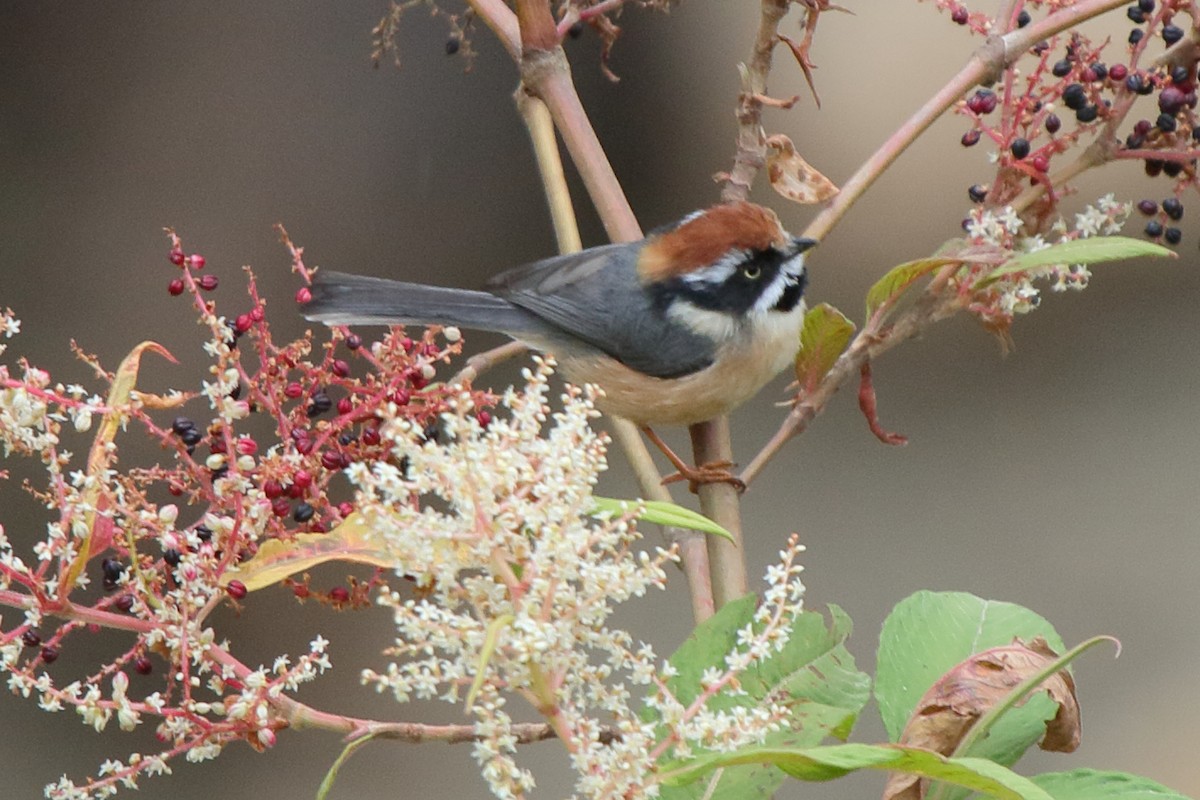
(677, 328)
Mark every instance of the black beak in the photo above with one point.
(800, 244)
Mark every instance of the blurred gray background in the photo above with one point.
(1062, 477)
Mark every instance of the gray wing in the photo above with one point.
(596, 296)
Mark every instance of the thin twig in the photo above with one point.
(554, 181)
(751, 152)
(482, 362)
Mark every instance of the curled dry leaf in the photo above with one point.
(792, 176)
(950, 708)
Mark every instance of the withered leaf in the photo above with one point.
(792, 176)
(954, 704)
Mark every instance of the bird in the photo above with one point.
(679, 327)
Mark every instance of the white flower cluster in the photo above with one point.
(516, 582)
(1000, 228)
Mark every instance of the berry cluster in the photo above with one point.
(1025, 117)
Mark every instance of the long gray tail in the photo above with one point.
(342, 299)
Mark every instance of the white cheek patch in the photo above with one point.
(715, 325)
(790, 273)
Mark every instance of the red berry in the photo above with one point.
(247, 446)
(236, 589)
(345, 405)
(341, 368)
(31, 638)
(970, 138)
(345, 508)
(960, 16)
(339, 594)
(207, 282)
(49, 654)
(272, 489)
(484, 417)
(400, 397)
(124, 603)
(370, 436)
(294, 491)
(354, 341)
(1041, 163)
(303, 295)
(243, 323)
(280, 507)
(1118, 72)
(304, 446)
(331, 459)
(407, 344)
(303, 478)
(176, 256)
(174, 489)
(197, 261)
(175, 287)
(293, 390)
(143, 665)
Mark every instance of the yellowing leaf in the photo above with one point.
(118, 399)
(353, 540)
(660, 512)
(825, 334)
(888, 289)
(792, 176)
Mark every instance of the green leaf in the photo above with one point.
(350, 749)
(1091, 784)
(834, 761)
(888, 289)
(928, 633)
(1092, 250)
(825, 334)
(814, 673)
(660, 512)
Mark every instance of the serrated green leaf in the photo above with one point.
(814, 674)
(1093, 250)
(1091, 784)
(825, 334)
(834, 761)
(929, 633)
(889, 288)
(660, 512)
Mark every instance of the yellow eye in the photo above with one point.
(752, 271)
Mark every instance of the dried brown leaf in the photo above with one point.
(792, 176)
(954, 704)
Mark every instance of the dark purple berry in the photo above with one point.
(1147, 6)
(1171, 100)
(982, 102)
(1061, 69)
(1023, 19)
(113, 569)
(977, 193)
(1148, 207)
(203, 533)
(181, 424)
(1165, 123)
(303, 513)
(452, 45)
(970, 138)
(143, 665)
(1019, 147)
(1099, 71)
(172, 557)
(191, 437)
(1173, 235)
(1180, 74)
(49, 654)
(1053, 123)
(1172, 168)
(1136, 35)
(1154, 229)
(124, 603)
(319, 403)
(1173, 208)
(1172, 34)
(354, 341)
(960, 15)
(576, 30)
(1074, 96)
(31, 638)
(1154, 167)
(1136, 15)
(1087, 114)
